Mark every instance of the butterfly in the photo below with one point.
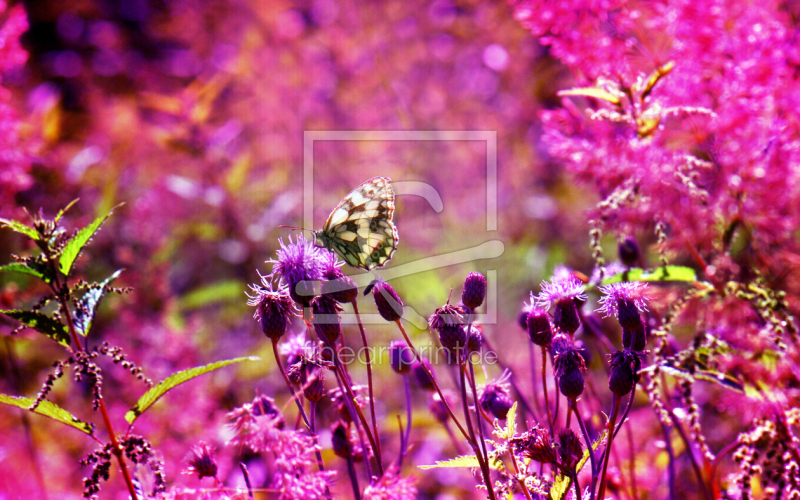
(360, 228)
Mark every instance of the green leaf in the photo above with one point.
(84, 313)
(151, 396)
(19, 267)
(559, 489)
(664, 273)
(511, 421)
(64, 210)
(463, 462)
(21, 228)
(41, 322)
(590, 92)
(49, 409)
(74, 246)
(220, 291)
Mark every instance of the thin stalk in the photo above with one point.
(632, 463)
(615, 401)
(313, 421)
(574, 405)
(407, 434)
(473, 440)
(550, 419)
(690, 454)
(671, 464)
(369, 377)
(116, 447)
(295, 397)
(520, 480)
(456, 442)
(351, 471)
(534, 396)
(246, 475)
(477, 409)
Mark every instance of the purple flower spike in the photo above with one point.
(299, 263)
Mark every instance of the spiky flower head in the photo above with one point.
(447, 315)
(562, 294)
(400, 357)
(337, 284)
(624, 301)
(495, 397)
(327, 322)
(391, 487)
(569, 367)
(387, 301)
(299, 263)
(201, 461)
(569, 448)
(274, 307)
(535, 444)
(474, 290)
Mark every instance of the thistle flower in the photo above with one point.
(495, 397)
(624, 301)
(337, 284)
(327, 322)
(391, 487)
(400, 357)
(569, 368)
(299, 264)
(387, 301)
(447, 315)
(201, 461)
(274, 308)
(535, 444)
(474, 290)
(562, 294)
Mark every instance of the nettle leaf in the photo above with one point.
(511, 421)
(151, 396)
(21, 228)
(560, 486)
(87, 306)
(64, 210)
(464, 462)
(74, 246)
(19, 267)
(42, 323)
(49, 409)
(594, 92)
(664, 273)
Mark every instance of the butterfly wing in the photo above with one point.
(360, 228)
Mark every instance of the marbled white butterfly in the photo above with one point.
(360, 228)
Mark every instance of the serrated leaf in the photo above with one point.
(64, 210)
(19, 267)
(511, 421)
(716, 377)
(42, 323)
(20, 228)
(590, 92)
(665, 273)
(559, 489)
(151, 396)
(74, 246)
(84, 314)
(49, 409)
(463, 462)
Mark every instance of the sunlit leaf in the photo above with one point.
(151, 396)
(84, 314)
(19, 267)
(20, 228)
(221, 291)
(591, 92)
(74, 246)
(665, 273)
(463, 462)
(64, 210)
(511, 421)
(42, 323)
(48, 409)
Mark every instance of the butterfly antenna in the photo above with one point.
(295, 228)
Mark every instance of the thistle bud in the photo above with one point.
(400, 357)
(314, 390)
(474, 340)
(438, 408)
(453, 338)
(620, 382)
(474, 290)
(421, 376)
(538, 326)
(565, 316)
(389, 304)
(629, 315)
(569, 448)
(569, 368)
(629, 251)
(495, 400)
(326, 318)
(274, 308)
(340, 440)
(522, 317)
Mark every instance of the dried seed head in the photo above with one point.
(474, 290)
(388, 302)
(447, 315)
(536, 445)
(314, 390)
(538, 326)
(569, 448)
(400, 357)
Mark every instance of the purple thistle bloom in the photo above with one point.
(561, 289)
(337, 284)
(274, 308)
(619, 296)
(299, 263)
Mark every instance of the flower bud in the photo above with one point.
(453, 338)
(629, 315)
(565, 316)
(201, 461)
(340, 440)
(400, 357)
(620, 382)
(421, 376)
(314, 390)
(326, 318)
(474, 340)
(474, 290)
(274, 309)
(438, 408)
(495, 400)
(340, 287)
(389, 304)
(538, 326)
(569, 368)
(569, 448)
(522, 317)
(629, 251)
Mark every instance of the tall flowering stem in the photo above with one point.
(295, 397)
(615, 401)
(370, 386)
